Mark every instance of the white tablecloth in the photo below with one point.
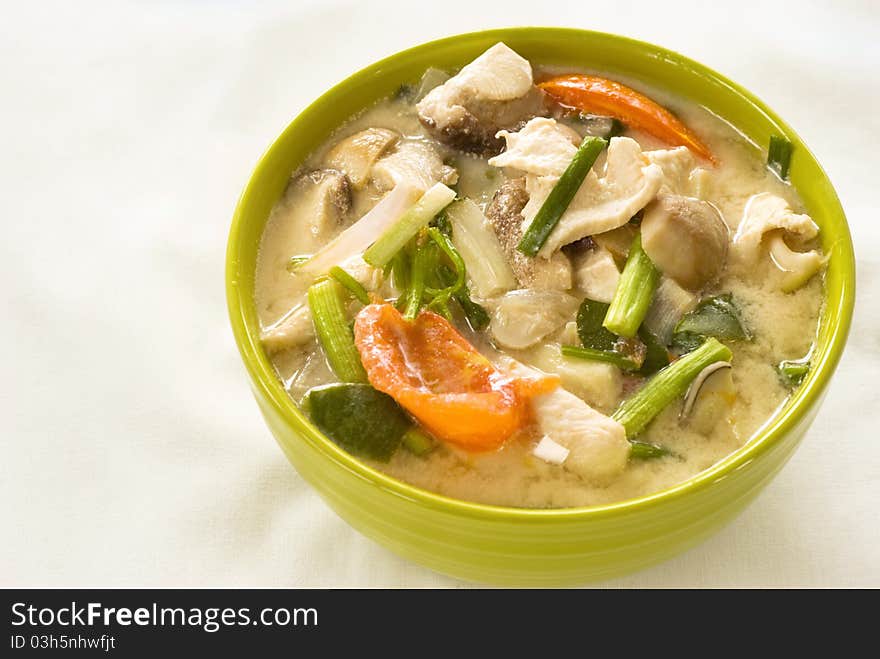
(133, 453)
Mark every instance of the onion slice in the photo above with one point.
(550, 451)
(694, 390)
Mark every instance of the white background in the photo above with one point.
(133, 453)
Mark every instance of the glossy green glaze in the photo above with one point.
(508, 545)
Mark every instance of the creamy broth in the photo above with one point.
(782, 325)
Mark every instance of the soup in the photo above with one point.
(539, 287)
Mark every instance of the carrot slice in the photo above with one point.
(606, 97)
(441, 380)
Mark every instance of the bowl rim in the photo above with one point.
(765, 438)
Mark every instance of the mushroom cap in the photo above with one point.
(686, 239)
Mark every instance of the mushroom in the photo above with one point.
(769, 218)
(493, 92)
(356, 154)
(504, 214)
(414, 163)
(313, 206)
(686, 239)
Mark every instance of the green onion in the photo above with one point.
(645, 451)
(422, 264)
(334, 332)
(418, 442)
(445, 244)
(476, 316)
(560, 196)
(352, 284)
(779, 155)
(634, 293)
(793, 371)
(401, 232)
(609, 356)
(639, 410)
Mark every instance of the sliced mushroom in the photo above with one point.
(355, 155)
(493, 92)
(686, 239)
(524, 317)
(504, 214)
(314, 205)
(769, 219)
(414, 163)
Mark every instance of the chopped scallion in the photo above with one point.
(401, 232)
(634, 293)
(334, 332)
(779, 155)
(352, 284)
(608, 356)
(636, 412)
(560, 196)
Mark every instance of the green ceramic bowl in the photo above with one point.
(508, 545)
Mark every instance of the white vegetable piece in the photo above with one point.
(670, 303)
(597, 444)
(360, 235)
(598, 383)
(483, 255)
(543, 148)
(549, 451)
(525, 316)
(596, 274)
(609, 196)
(414, 163)
(769, 216)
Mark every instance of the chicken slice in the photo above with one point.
(766, 212)
(543, 147)
(494, 91)
(597, 444)
(678, 165)
(769, 219)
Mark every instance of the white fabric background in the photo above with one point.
(133, 453)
